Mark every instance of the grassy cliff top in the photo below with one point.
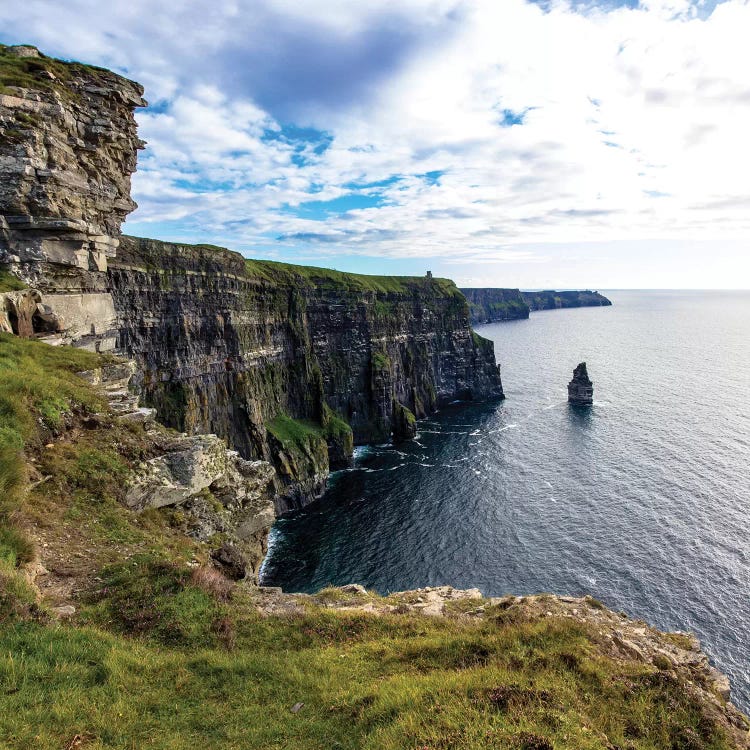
(39, 72)
(156, 254)
(288, 272)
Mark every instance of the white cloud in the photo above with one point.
(635, 121)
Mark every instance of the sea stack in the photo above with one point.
(581, 389)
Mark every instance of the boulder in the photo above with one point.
(223, 497)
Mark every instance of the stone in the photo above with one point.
(23, 50)
(65, 612)
(142, 415)
(581, 389)
(225, 351)
(231, 560)
(17, 312)
(720, 683)
(65, 188)
(353, 588)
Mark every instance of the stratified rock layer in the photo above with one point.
(68, 146)
(581, 389)
(225, 346)
(493, 305)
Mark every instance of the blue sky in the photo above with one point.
(512, 143)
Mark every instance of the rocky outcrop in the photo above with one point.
(221, 499)
(493, 305)
(404, 423)
(551, 300)
(68, 146)
(581, 389)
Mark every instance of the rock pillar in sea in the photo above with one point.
(581, 389)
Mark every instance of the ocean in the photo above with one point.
(641, 500)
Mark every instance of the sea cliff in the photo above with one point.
(552, 300)
(492, 305)
(291, 364)
(119, 535)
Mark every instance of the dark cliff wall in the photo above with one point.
(236, 347)
(491, 305)
(552, 300)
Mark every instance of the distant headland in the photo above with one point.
(493, 305)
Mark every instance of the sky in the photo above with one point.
(497, 142)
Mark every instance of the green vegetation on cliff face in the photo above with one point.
(9, 282)
(42, 73)
(258, 338)
(294, 433)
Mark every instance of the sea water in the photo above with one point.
(641, 500)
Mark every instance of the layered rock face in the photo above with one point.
(228, 346)
(493, 305)
(67, 151)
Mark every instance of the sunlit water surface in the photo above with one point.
(642, 500)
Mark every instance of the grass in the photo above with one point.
(38, 389)
(64, 463)
(388, 682)
(9, 282)
(294, 432)
(380, 361)
(327, 277)
(298, 433)
(336, 427)
(33, 73)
